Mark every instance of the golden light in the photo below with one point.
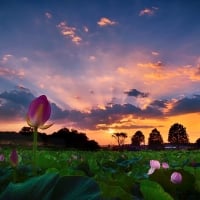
(111, 131)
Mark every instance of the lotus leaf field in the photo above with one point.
(109, 175)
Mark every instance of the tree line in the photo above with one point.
(177, 137)
(63, 138)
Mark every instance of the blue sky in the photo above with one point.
(105, 65)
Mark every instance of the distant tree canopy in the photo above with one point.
(64, 138)
(155, 140)
(138, 138)
(26, 130)
(120, 137)
(74, 139)
(198, 143)
(177, 134)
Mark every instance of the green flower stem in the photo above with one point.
(34, 149)
(14, 175)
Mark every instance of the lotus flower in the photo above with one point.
(39, 112)
(154, 164)
(14, 158)
(165, 165)
(176, 178)
(2, 158)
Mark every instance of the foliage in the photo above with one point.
(138, 138)
(177, 134)
(198, 143)
(120, 137)
(106, 175)
(155, 140)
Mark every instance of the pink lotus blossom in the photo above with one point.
(14, 158)
(176, 178)
(39, 112)
(165, 165)
(2, 158)
(154, 164)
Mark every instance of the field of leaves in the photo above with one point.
(106, 175)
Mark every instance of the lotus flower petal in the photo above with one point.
(151, 171)
(39, 112)
(155, 164)
(165, 165)
(176, 178)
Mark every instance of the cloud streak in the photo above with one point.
(148, 11)
(106, 22)
(69, 32)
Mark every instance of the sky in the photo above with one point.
(106, 66)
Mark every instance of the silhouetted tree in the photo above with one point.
(137, 139)
(198, 143)
(178, 135)
(92, 145)
(73, 139)
(26, 130)
(155, 140)
(120, 137)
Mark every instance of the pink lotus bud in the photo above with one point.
(155, 164)
(14, 158)
(176, 177)
(165, 165)
(39, 112)
(2, 158)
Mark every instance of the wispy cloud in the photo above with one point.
(105, 22)
(154, 53)
(86, 29)
(148, 11)
(69, 32)
(7, 72)
(6, 58)
(48, 15)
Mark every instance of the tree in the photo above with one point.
(178, 135)
(120, 137)
(26, 130)
(137, 139)
(155, 140)
(198, 143)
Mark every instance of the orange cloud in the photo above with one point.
(105, 22)
(70, 32)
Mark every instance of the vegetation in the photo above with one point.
(99, 175)
(155, 140)
(120, 137)
(137, 139)
(178, 135)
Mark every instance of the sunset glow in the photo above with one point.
(105, 66)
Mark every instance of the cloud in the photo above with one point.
(85, 28)
(6, 57)
(154, 53)
(7, 72)
(48, 15)
(14, 104)
(136, 93)
(148, 11)
(156, 65)
(105, 22)
(69, 32)
(186, 105)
